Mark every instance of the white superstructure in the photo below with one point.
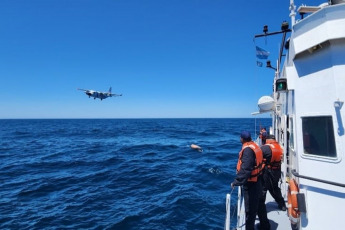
(313, 116)
(308, 118)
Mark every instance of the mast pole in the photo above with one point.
(292, 12)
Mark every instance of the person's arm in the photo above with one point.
(267, 153)
(248, 163)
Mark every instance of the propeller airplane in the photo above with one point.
(100, 95)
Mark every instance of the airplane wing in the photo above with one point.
(115, 95)
(83, 89)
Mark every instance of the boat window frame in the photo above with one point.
(320, 156)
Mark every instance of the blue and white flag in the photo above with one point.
(261, 53)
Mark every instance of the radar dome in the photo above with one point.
(266, 103)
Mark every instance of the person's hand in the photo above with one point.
(232, 185)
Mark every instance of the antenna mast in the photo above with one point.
(292, 13)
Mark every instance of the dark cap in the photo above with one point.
(271, 137)
(245, 135)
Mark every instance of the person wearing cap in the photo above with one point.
(272, 153)
(263, 135)
(248, 176)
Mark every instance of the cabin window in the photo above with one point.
(318, 136)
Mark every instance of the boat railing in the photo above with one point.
(296, 174)
(240, 211)
(227, 217)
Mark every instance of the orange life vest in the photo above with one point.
(258, 161)
(277, 153)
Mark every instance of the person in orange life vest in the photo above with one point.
(248, 176)
(263, 135)
(273, 154)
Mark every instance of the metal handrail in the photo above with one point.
(227, 217)
(296, 174)
(239, 209)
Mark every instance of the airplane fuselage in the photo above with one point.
(97, 94)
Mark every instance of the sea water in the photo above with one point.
(119, 173)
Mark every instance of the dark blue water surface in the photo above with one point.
(118, 173)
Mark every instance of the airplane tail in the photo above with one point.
(109, 90)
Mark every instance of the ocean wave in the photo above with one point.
(117, 174)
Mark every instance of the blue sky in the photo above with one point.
(169, 58)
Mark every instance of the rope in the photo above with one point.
(230, 200)
(231, 191)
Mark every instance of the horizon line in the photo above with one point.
(109, 118)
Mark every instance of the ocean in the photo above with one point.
(118, 173)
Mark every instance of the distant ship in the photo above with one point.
(307, 113)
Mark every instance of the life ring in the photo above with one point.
(294, 191)
(292, 201)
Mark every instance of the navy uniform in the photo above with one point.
(248, 176)
(273, 154)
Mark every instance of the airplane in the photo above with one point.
(100, 95)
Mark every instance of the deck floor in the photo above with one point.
(279, 219)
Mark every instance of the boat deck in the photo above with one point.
(279, 219)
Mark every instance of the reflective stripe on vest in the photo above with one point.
(258, 160)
